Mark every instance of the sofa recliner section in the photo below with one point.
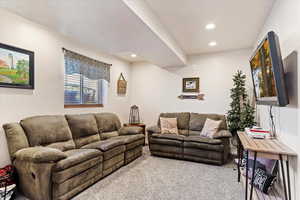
(57, 156)
(189, 145)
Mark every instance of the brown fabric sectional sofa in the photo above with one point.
(58, 156)
(189, 145)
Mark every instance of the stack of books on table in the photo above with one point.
(257, 133)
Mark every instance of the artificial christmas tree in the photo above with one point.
(241, 114)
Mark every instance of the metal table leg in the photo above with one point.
(253, 172)
(283, 177)
(288, 178)
(239, 159)
(247, 168)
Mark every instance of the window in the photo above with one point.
(85, 80)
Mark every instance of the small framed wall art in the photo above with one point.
(190, 84)
(122, 85)
(16, 67)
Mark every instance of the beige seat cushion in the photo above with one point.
(75, 157)
(210, 128)
(168, 125)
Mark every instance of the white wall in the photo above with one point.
(155, 89)
(284, 19)
(48, 96)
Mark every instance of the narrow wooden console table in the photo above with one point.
(265, 148)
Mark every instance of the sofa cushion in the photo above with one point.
(108, 135)
(45, 130)
(153, 129)
(204, 146)
(104, 145)
(84, 129)
(77, 156)
(183, 132)
(107, 122)
(130, 130)
(16, 138)
(183, 119)
(197, 121)
(165, 141)
(223, 134)
(129, 138)
(200, 139)
(194, 133)
(131, 141)
(168, 136)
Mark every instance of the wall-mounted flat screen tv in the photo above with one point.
(268, 73)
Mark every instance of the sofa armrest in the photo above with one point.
(40, 154)
(153, 129)
(222, 134)
(130, 130)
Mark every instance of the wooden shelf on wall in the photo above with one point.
(192, 96)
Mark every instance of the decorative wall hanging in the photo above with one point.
(198, 97)
(190, 84)
(16, 67)
(122, 85)
(134, 117)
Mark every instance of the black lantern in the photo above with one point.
(134, 117)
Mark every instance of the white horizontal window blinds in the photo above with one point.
(72, 89)
(83, 79)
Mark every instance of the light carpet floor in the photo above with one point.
(155, 178)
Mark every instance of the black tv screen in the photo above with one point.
(268, 73)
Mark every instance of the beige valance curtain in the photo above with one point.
(90, 68)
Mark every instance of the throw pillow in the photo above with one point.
(262, 180)
(168, 125)
(210, 128)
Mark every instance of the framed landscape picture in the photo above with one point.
(190, 84)
(16, 67)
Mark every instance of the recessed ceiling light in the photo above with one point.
(210, 26)
(133, 55)
(212, 43)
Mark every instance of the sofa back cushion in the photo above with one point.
(16, 138)
(84, 129)
(52, 131)
(197, 121)
(183, 119)
(108, 123)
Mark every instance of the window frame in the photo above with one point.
(83, 105)
(82, 86)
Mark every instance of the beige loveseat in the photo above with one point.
(58, 156)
